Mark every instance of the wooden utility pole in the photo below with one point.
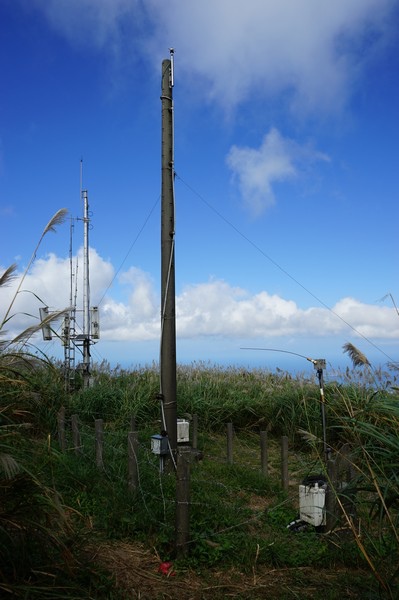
(183, 501)
(168, 310)
(86, 293)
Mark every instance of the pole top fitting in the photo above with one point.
(172, 68)
(319, 364)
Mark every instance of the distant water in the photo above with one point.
(209, 353)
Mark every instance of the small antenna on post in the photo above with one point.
(172, 68)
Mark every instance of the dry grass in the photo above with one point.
(135, 571)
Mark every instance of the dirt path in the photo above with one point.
(137, 574)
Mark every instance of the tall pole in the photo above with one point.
(86, 292)
(168, 311)
(69, 323)
(326, 449)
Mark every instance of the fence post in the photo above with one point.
(194, 442)
(76, 435)
(284, 462)
(182, 500)
(264, 453)
(230, 443)
(61, 428)
(99, 437)
(132, 445)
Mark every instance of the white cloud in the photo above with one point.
(138, 319)
(217, 309)
(278, 159)
(313, 50)
(211, 309)
(49, 283)
(142, 300)
(369, 320)
(120, 322)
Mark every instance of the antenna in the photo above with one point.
(319, 364)
(312, 360)
(91, 327)
(172, 68)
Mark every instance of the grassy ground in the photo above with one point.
(239, 542)
(71, 530)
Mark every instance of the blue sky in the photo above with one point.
(286, 134)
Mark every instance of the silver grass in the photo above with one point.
(307, 436)
(24, 336)
(57, 219)
(389, 295)
(8, 275)
(357, 357)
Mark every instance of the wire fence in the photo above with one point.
(246, 473)
(102, 445)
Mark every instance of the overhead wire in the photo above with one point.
(130, 249)
(278, 266)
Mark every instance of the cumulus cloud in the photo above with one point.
(142, 299)
(48, 283)
(368, 319)
(138, 318)
(257, 169)
(216, 308)
(311, 51)
(204, 310)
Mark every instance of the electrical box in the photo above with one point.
(312, 500)
(159, 444)
(95, 323)
(46, 330)
(183, 431)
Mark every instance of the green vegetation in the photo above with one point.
(55, 507)
(70, 529)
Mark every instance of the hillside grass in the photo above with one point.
(56, 506)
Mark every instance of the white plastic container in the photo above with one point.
(312, 500)
(183, 431)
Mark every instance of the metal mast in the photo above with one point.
(168, 312)
(91, 324)
(68, 333)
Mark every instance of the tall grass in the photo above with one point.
(358, 413)
(56, 220)
(369, 421)
(256, 399)
(37, 533)
(362, 410)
